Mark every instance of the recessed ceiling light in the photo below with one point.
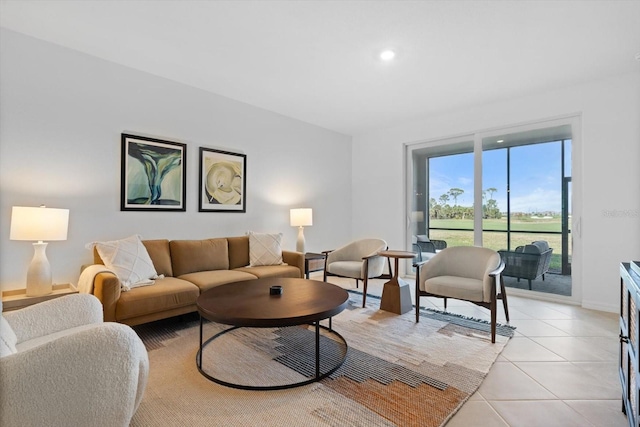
(500, 141)
(387, 55)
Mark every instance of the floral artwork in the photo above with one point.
(153, 174)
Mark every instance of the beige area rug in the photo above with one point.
(396, 373)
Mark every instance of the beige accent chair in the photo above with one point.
(468, 273)
(357, 260)
(61, 365)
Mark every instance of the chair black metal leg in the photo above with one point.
(529, 283)
(317, 349)
(200, 352)
(445, 304)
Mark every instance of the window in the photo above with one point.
(513, 189)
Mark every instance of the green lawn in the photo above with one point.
(553, 224)
(463, 235)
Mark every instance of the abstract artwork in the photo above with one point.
(153, 174)
(223, 181)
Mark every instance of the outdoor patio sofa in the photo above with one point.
(426, 248)
(528, 261)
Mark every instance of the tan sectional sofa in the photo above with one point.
(189, 268)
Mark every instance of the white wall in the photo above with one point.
(608, 159)
(61, 116)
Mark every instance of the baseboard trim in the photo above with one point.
(596, 305)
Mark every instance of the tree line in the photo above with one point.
(442, 209)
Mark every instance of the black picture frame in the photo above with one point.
(153, 174)
(223, 181)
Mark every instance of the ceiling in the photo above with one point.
(317, 61)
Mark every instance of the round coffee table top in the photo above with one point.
(249, 303)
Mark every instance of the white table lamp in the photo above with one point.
(39, 224)
(301, 218)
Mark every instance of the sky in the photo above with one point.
(536, 184)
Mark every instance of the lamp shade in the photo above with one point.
(38, 224)
(301, 217)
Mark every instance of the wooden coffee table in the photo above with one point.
(250, 304)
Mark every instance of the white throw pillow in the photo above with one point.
(264, 249)
(129, 260)
(8, 338)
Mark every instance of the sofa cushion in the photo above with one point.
(160, 255)
(166, 294)
(282, 270)
(37, 341)
(265, 249)
(8, 338)
(455, 287)
(209, 279)
(238, 251)
(542, 245)
(531, 249)
(190, 256)
(128, 259)
(346, 268)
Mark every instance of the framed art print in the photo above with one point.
(153, 174)
(223, 181)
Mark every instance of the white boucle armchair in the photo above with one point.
(61, 365)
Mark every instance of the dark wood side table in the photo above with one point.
(396, 294)
(313, 262)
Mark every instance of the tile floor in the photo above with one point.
(560, 368)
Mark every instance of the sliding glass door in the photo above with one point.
(442, 194)
(501, 190)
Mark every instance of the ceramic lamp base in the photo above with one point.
(39, 274)
(300, 241)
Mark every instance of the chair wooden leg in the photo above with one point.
(503, 294)
(417, 294)
(364, 291)
(356, 283)
(494, 308)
